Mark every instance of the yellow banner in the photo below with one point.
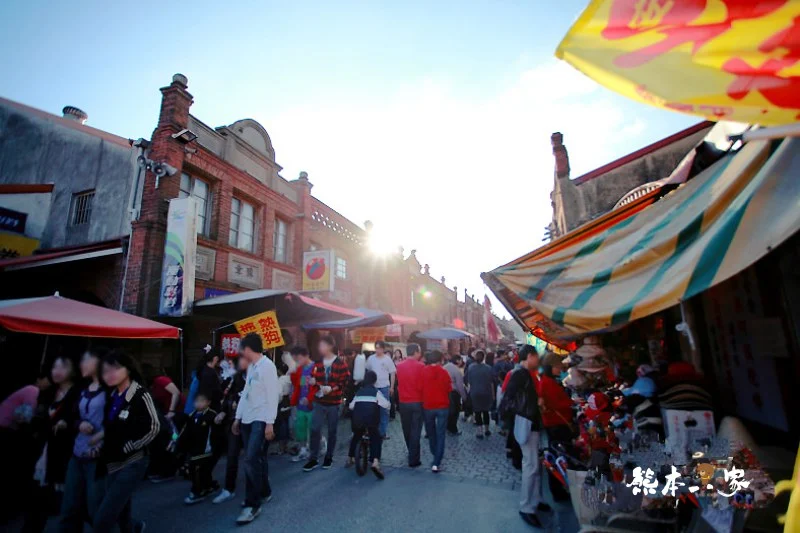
(362, 335)
(266, 325)
(721, 59)
(14, 245)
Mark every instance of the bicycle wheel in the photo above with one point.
(362, 456)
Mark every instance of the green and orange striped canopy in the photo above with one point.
(650, 255)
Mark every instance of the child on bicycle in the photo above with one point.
(366, 408)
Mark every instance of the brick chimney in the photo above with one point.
(560, 154)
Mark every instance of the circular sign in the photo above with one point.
(315, 269)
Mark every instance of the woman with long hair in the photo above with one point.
(55, 423)
(83, 491)
(131, 423)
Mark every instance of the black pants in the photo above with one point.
(375, 441)
(232, 463)
(516, 451)
(481, 418)
(452, 416)
(200, 472)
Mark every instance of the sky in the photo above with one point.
(431, 119)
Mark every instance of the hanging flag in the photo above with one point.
(493, 333)
(721, 59)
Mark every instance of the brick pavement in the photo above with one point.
(466, 458)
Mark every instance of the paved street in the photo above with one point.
(476, 493)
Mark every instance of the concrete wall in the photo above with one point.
(36, 148)
(600, 194)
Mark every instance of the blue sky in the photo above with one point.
(432, 119)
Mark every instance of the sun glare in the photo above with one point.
(380, 244)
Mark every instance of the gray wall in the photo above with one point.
(37, 149)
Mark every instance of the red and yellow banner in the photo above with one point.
(266, 325)
(362, 335)
(720, 59)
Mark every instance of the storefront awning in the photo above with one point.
(631, 263)
(54, 315)
(370, 318)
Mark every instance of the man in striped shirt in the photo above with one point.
(331, 375)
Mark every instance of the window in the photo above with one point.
(341, 268)
(82, 208)
(242, 225)
(200, 191)
(279, 240)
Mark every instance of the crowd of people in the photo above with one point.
(92, 430)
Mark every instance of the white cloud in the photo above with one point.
(466, 182)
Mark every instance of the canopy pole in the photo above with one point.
(44, 353)
(182, 360)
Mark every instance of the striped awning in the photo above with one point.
(634, 262)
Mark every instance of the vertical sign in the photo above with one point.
(177, 271)
(317, 270)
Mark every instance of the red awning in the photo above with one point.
(54, 315)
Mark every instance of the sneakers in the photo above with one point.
(193, 498)
(376, 469)
(543, 508)
(488, 433)
(224, 496)
(435, 469)
(327, 463)
(248, 515)
(531, 519)
(302, 456)
(311, 465)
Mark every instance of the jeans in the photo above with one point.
(375, 442)
(82, 494)
(384, 412)
(232, 463)
(321, 415)
(435, 426)
(452, 416)
(115, 507)
(411, 418)
(531, 489)
(256, 469)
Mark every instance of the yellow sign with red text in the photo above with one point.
(364, 335)
(721, 59)
(267, 327)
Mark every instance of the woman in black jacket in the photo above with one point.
(209, 382)
(131, 423)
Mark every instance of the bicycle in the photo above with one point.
(362, 455)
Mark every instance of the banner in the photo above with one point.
(177, 270)
(230, 344)
(317, 270)
(394, 330)
(364, 335)
(267, 327)
(24, 212)
(724, 60)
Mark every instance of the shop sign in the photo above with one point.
(209, 292)
(365, 335)
(317, 275)
(12, 221)
(177, 271)
(267, 327)
(394, 330)
(230, 344)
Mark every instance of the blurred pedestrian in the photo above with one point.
(409, 386)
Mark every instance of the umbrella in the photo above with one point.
(445, 334)
(371, 317)
(293, 309)
(54, 315)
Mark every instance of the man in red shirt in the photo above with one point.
(409, 388)
(436, 388)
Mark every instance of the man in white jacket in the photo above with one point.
(255, 416)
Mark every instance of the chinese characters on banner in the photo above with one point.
(364, 335)
(734, 484)
(230, 344)
(266, 325)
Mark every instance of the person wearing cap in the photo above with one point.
(527, 425)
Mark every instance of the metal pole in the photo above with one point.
(182, 361)
(44, 353)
